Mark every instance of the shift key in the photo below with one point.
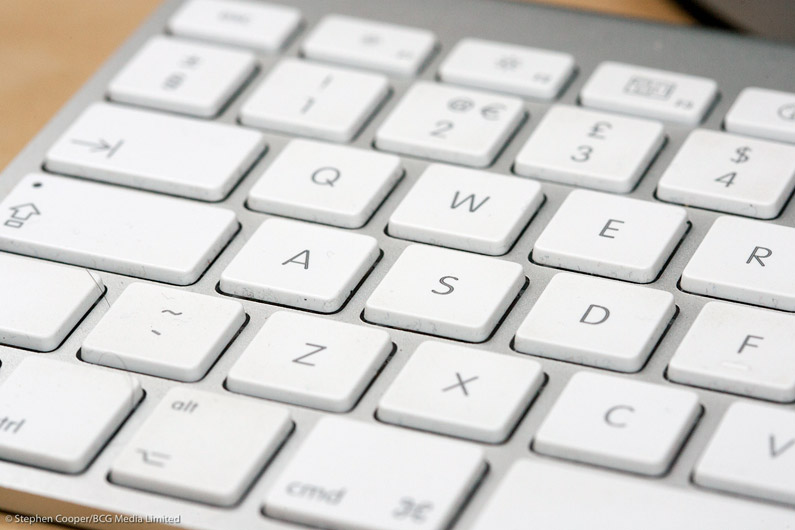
(114, 229)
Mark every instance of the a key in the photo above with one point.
(58, 415)
(259, 25)
(590, 149)
(745, 261)
(350, 474)
(730, 173)
(620, 423)
(153, 151)
(611, 236)
(182, 76)
(531, 494)
(738, 349)
(388, 48)
(42, 302)
(114, 229)
(752, 453)
(461, 391)
(445, 292)
(202, 446)
(764, 113)
(310, 361)
(300, 265)
(330, 184)
(597, 322)
(649, 92)
(164, 332)
(310, 99)
(450, 124)
(466, 209)
(519, 70)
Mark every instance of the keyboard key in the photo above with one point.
(42, 302)
(44, 402)
(300, 265)
(337, 480)
(738, 349)
(730, 173)
(114, 229)
(202, 446)
(324, 183)
(156, 152)
(590, 149)
(259, 25)
(619, 423)
(164, 332)
(519, 70)
(650, 93)
(182, 76)
(531, 493)
(446, 293)
(310, 361)
(466, 209)
(461, 392)
(745, 261)
(389, 48)
(764, 113)
(611, 236)
(315, 100)
(752, 453)
(450, 124)
(597, 322)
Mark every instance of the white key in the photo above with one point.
(259, 25)
(730, 173)
(300, 265)
(450, 124)
(611, 236)
(597, 322)
(519, 70)
(745, 261)
(315, 100)
(445, 292)
(164, 332)
(324, 183)
(58, 415)
(590, 149)
(466, 209)
(619, 423)
(738, 349)
(537, 494)
(42, 302)
(202, 446)
(649, 92)
(110, 228)
(461, 392)
(764, 113)
(310, 361)
(389, 48)
(355, 475)
(182, 76)
(752, 453)
(153, 151)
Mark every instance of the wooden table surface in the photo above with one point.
(49, 48)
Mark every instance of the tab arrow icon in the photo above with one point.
(100, 146)
(23, 212)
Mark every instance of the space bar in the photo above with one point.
(561, 496)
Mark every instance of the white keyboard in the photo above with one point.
(406, 265)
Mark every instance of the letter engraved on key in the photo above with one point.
(470, 199)
(747, 342)
(599, 128)
(612, 410)
(608, 226)
(584, 153)
(450, 288)
(759, 257)
(492, 112)
(100, 146)
(304, 261)
(776, 451)
(408, 508)
(727, 179)
(317, 349)
(186, 407)
(326, 176)
(596, 319)
(10, 426)
(741, 155)
(649, 88)
(460, 104)
(787, 112)
(441, 128)
(153, 458)
(461, 383)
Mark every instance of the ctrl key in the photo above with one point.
(354, 475)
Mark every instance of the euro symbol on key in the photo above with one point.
(326, 176)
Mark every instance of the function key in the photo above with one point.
(765, 113)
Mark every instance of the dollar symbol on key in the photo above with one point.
(742, 155)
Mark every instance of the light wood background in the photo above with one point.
(49, 48)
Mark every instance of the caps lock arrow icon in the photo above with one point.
(23, 212)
